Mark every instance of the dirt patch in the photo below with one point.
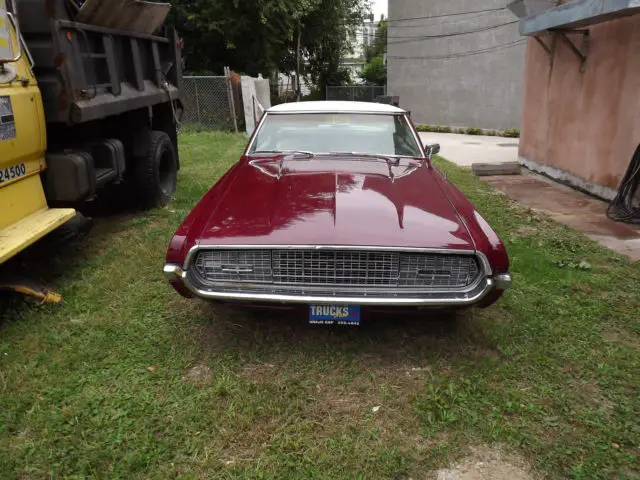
(260, 372)
(382, 401)
(623, 338)
(524, 231)
(198, 374)
(590, 392)
(581, 288)
(487, 463)
(345, 403)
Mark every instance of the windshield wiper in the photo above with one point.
(363, 154)
(395, 160)
(366, 154)
(294, 152)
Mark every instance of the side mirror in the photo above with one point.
(8, 19)
(433, 149)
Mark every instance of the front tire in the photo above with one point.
(155, 174)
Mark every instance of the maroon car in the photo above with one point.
(336, 205)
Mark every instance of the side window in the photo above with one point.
(405, 143)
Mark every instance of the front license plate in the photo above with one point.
(12, 172)
(334, 315)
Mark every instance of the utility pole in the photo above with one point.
(298, 90)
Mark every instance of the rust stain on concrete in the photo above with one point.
(573, 208)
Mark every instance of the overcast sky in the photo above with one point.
(379, 7)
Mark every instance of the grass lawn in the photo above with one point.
(129, 380)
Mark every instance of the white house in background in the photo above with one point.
(361, 39)
(287, 84)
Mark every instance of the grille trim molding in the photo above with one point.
(362, 271)
(365, 295)
(484, 261)
(180, 275)
(480, 290)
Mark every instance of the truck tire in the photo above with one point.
(154, 175)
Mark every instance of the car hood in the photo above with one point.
(363, 201)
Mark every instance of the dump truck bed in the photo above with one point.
(88, 72)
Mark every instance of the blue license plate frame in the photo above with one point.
(345, 315)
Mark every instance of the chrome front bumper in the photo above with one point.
(175, 273)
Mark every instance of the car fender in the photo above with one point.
(191, 227)
(485, 238)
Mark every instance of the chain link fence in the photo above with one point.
(213, 102)
(208, 104)
(356, 93)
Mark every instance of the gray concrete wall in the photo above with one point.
(483, 90)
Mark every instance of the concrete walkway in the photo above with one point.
(464, 150)
(566, 205)
(571, 207)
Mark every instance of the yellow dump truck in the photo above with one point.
(85, 106)
(25, 216)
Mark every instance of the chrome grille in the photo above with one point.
(338, 270)
(234, 265)
(353, 268)
(453, 271)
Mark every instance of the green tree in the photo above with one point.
(260, 36)
(375, 72)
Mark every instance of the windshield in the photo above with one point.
(319, 133)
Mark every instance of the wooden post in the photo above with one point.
(232, 103)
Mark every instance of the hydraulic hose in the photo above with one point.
(626, 206)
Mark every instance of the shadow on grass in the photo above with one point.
(273, 336)
(53, 259)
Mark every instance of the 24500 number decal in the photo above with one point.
(12, 172)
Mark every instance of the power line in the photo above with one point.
(446, 35)
(445, 15)
(462, 54)
(440, 22)
(374, 33)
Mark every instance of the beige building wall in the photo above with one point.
(583, 127)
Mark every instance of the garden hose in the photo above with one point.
(626, 207)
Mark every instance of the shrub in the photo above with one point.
(433, 128)
(511, 133)
(375, 71)
(314, 95)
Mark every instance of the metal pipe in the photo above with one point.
(11, 16)
(195, 84)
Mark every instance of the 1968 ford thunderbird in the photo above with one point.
(337, 206)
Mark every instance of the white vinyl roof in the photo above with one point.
(335, 107)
